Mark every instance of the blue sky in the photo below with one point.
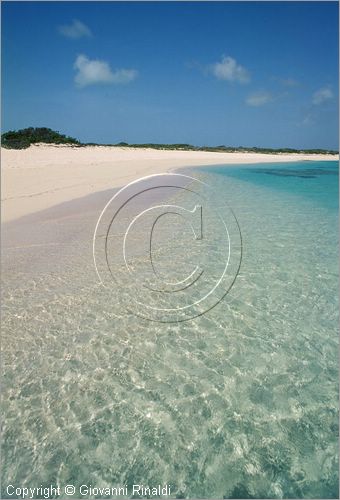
(205, 73)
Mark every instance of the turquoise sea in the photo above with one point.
(241, 402)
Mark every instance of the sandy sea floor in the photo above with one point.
(241, 402)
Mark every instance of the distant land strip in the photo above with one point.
(22, 139)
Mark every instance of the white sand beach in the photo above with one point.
(41, 176)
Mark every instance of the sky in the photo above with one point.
(206, 73)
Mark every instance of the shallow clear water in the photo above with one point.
(241, 402)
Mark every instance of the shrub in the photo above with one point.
(23, 138)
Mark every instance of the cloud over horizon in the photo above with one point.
(322, 95)
(289, 82)
(228, 69)
(75, 30)
(259, 99)
(92, 72)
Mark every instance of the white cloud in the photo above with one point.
(76, 29)
(259, 99)
(92, 72)
(228, 69)
(322, 95)
(308, 120)
(289, 82)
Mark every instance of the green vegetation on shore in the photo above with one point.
(23, 138)
(227, 149)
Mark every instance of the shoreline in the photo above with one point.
(42, 176)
